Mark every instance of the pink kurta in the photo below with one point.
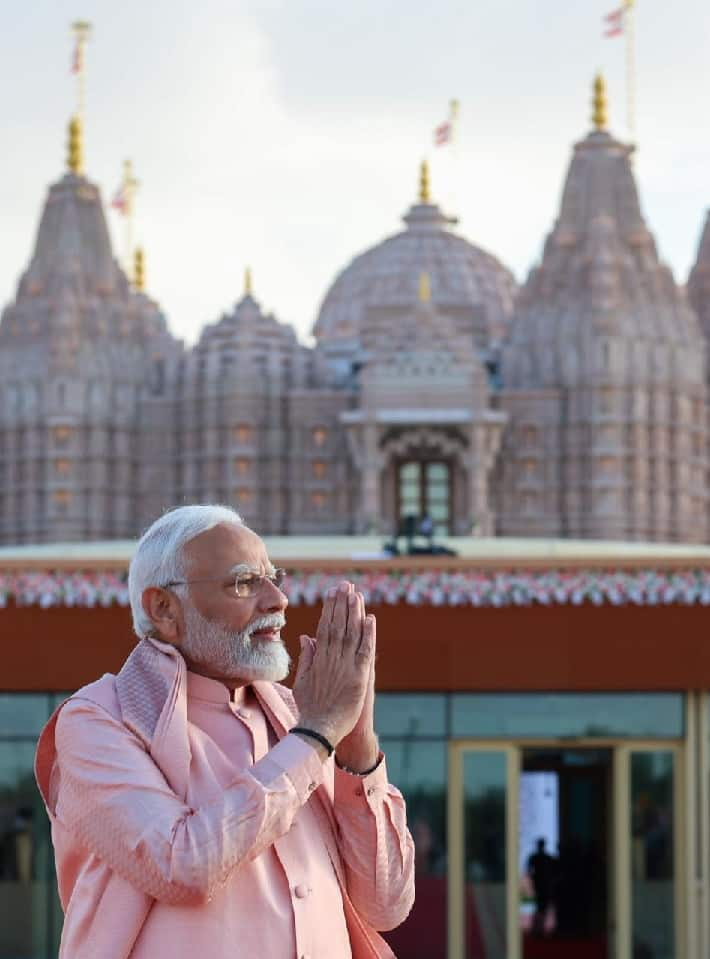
(182, 827)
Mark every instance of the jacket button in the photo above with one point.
(301, 891)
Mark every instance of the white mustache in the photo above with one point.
(272, 621)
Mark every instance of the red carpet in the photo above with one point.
(423, 933)
(535, 948)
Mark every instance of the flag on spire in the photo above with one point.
(614, 22)
(76, 57)
(119, 201)
(82, 31)
(444, 132)
(122, 199)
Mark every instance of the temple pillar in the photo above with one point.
(370, 511)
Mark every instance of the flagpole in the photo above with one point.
(630, 32)
(130, 186)
(454, 107)
(82, 31)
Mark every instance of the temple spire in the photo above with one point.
(424, 193)
(599, 103)
(247, 282)
(139, 270)
(75, 147)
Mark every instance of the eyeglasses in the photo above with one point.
(246, 585)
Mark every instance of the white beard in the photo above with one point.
(232, 655)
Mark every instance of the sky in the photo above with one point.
(286, 135)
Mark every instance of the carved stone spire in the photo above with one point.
(606, 341)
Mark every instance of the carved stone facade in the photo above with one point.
(604, 375)
(79, 353)
(575, 407)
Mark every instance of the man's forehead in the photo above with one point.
(225, 549)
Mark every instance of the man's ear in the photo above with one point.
(163, 610)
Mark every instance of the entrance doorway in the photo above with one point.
(610, 875)
(424, 490)
(564, 837)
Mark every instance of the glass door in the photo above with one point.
(424, 493)
(482, 831)
(647, 899)
(649, 862)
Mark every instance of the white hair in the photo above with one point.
(159, 558)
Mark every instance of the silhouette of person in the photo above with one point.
(541, 869)
(409, 530)
(426, 528)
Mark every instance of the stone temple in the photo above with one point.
(575, 406)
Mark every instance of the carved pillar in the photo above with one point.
(370, 518)
(480, 518)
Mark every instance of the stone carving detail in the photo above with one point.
(423, 440)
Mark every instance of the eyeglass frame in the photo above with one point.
(276, 579)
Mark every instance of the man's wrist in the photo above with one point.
(359, 757)
(358, 771)
(316, 739)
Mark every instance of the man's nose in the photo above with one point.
(271, 598)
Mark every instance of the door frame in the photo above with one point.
(621, 787)
(422, 462)
(455, 844)
(619, 904)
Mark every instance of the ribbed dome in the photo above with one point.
(467, 283)
(247, 349)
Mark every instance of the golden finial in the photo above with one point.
(424, 194)
(139, 269)
(599, 103)
(424, 287)
(75, 147)
(247, 281)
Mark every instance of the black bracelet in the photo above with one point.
(314, 735)
(357, 772)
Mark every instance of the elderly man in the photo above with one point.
(199, 808)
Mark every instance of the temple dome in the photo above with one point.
(467, 284)
(248, 349)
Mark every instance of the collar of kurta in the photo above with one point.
(213, 691)
(152, 693)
